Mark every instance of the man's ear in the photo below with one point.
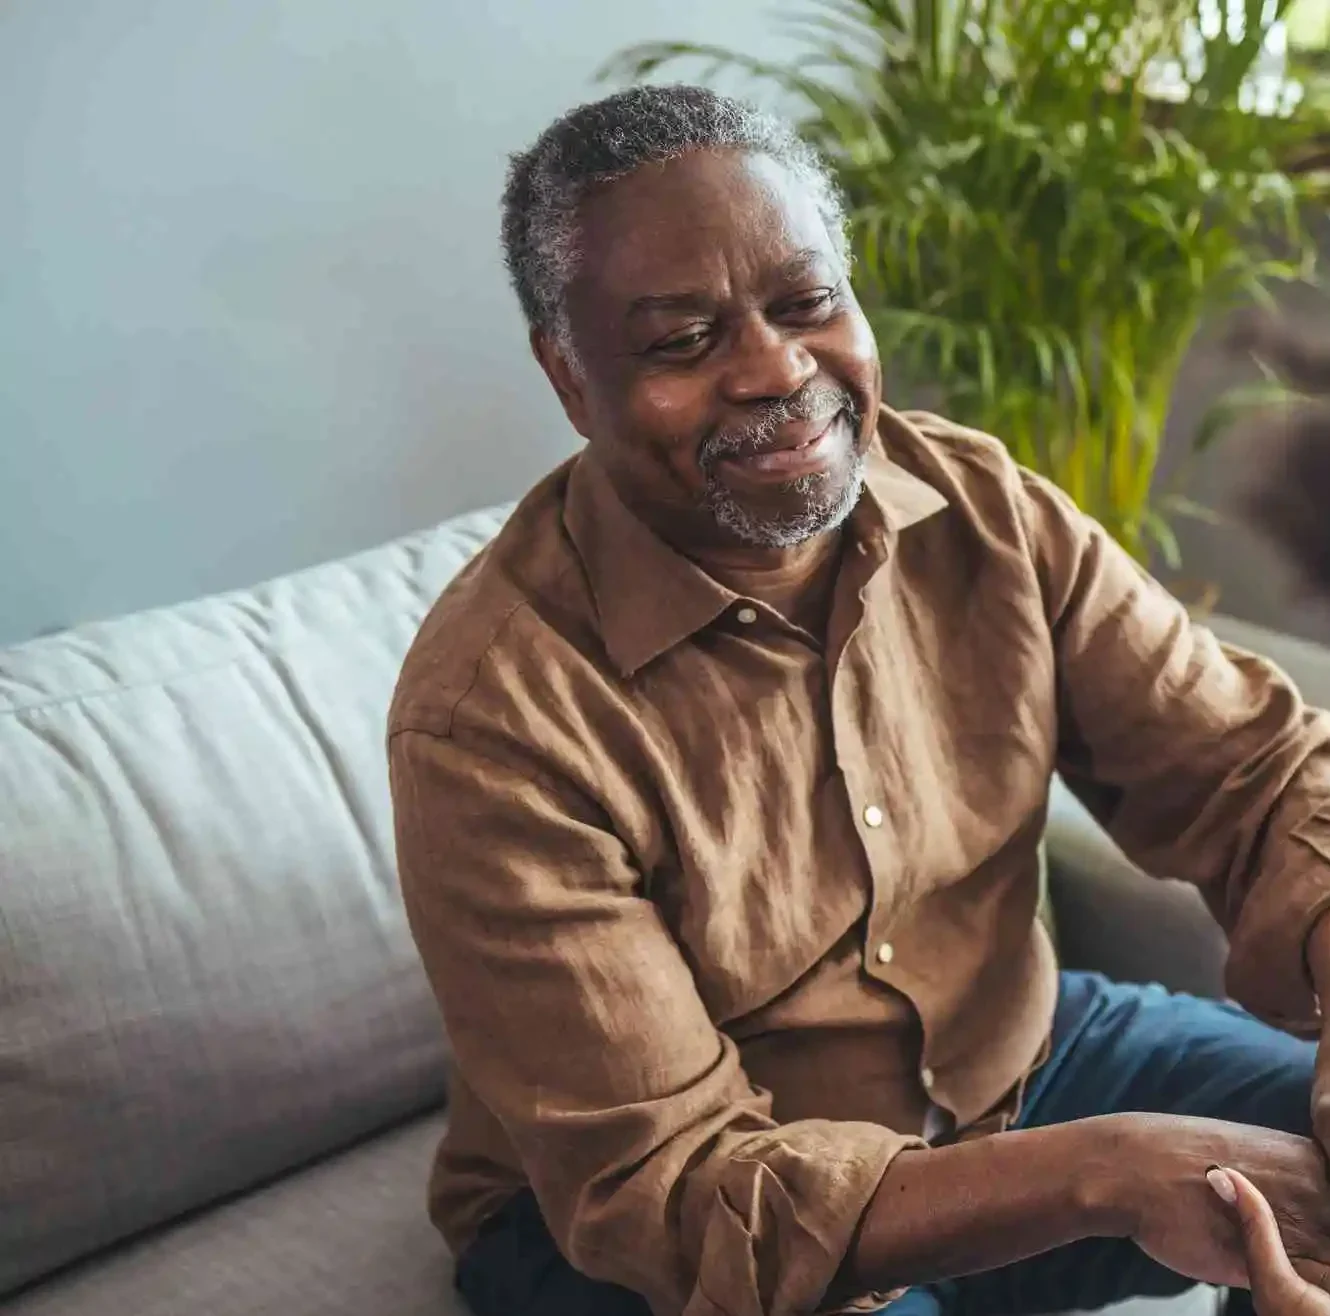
(568, 384)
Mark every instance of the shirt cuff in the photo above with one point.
(1268, 971)
(783, 1222)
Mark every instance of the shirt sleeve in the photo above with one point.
(576, 1020)
(1201, 761)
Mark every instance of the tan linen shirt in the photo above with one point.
(716, 909)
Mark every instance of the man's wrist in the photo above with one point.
(1103, 1185)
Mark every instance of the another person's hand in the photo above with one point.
(1277, 1288)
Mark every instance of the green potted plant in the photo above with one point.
(1047, 200)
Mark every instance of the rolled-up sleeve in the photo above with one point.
(1201, 761)
(574, 1017)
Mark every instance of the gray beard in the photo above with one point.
(823, 509)
(818, 515)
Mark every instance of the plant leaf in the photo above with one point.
(1236, 405)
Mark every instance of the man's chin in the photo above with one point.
(795, 511)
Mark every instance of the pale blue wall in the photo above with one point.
(251, 308)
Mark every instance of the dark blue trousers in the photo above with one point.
(1115, 1048)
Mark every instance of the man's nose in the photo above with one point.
(765, 363)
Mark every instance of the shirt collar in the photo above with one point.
(649, 597)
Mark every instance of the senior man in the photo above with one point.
(719, 779)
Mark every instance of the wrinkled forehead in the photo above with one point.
(714, 220)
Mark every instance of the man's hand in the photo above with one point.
(1179, 1220)
(1277, 1288)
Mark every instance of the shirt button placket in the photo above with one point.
(873, 818)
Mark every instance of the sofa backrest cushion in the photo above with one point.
(206, 977)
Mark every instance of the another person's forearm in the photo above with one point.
(978, 1205)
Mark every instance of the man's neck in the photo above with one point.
(798, 582)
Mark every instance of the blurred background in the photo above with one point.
(253, 315)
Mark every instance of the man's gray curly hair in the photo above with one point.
(608, 139)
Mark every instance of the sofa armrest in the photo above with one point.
(1112, 918)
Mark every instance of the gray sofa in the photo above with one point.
(221, 1073)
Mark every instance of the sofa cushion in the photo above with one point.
(205, 973)
(1114, 919)
(347, 1237)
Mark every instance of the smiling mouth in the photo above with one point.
(808, 458)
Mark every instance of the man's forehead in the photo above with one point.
(702, 217)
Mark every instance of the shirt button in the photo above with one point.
(747, 615)
(927, 1078)
(873, 816)
(886, 953)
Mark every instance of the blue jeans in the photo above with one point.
(1115, 1048)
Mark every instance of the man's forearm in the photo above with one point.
(978, 1205)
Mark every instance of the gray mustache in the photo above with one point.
(816, 405)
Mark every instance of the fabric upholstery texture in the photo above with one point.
(1112, 917)
(205, 972)
(348, 1237)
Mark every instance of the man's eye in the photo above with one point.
(811, 303)
(682, 344)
